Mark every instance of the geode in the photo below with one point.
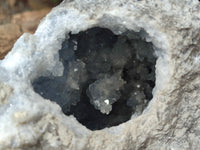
(105, 75)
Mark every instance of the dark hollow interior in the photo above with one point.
(107, 77)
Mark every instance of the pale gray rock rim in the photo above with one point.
(171, 120)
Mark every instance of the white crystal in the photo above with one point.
(107, 101)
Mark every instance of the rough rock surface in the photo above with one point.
(171, 120)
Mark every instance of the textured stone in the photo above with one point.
(171, 119)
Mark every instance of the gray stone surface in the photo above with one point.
(171, 120)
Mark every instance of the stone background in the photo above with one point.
(19, 16)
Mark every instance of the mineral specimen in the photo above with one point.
(84, 45)
(102, 68)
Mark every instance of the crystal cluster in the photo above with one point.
(106, 68)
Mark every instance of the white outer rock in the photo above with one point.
(172, 119)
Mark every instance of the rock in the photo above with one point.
(171, 119)
(9, 34)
